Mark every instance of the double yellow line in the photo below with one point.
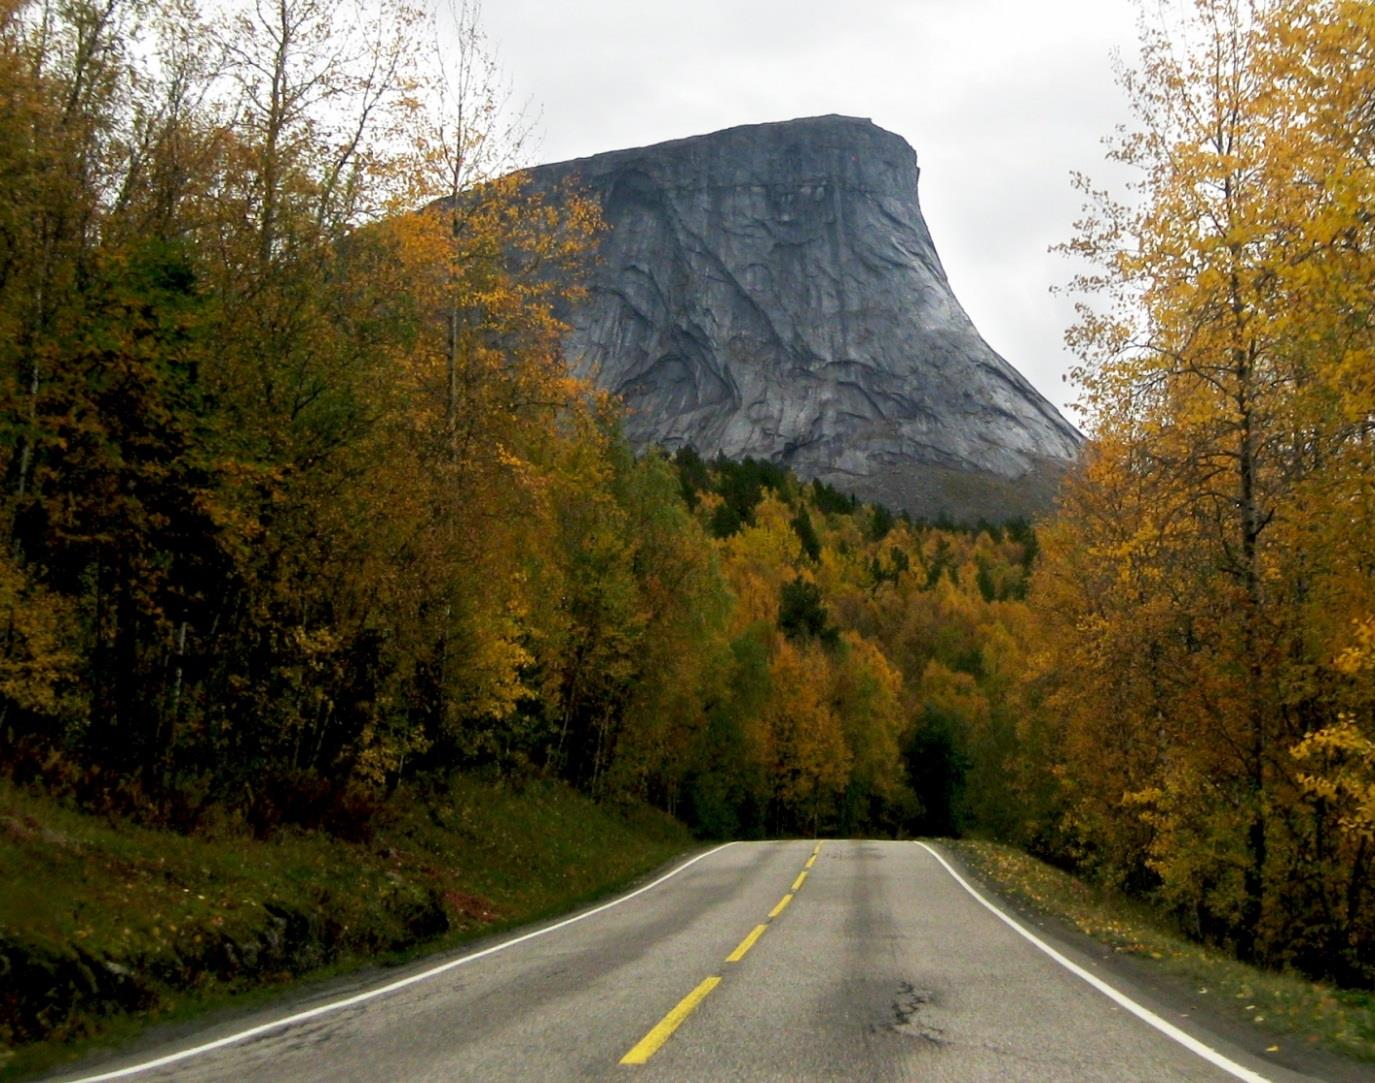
(647, 1046)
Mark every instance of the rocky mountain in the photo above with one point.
(772, 291)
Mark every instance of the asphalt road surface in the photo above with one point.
(877, 964)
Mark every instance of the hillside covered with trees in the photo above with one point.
(301, 503)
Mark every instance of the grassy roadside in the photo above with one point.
(1309, 1013)
(107, 927)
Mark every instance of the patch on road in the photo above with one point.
(910, 1015)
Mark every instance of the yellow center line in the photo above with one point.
(647, 1046)
(746, 944)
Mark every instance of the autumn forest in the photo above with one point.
(303, 510)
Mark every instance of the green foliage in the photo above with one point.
(806, 534)
(937, 767)
(830, 500)
(725, 521)
(880, 523)
(692, 476)
(741, 485)
(801, 614)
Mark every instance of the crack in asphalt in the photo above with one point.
(907, 1019)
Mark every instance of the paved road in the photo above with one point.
(880, 967)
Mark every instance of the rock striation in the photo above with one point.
(772, 291)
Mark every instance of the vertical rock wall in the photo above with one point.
(773, 291)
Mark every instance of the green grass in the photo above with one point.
(109, 916)
(1307, 1012)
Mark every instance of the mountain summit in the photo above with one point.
(772, 291)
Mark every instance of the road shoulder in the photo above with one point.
(1174, 998)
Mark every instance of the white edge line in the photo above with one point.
(1144, 1014)
(383, 990)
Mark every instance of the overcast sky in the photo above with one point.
(1001, 99)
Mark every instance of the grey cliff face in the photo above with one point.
(773, 291)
